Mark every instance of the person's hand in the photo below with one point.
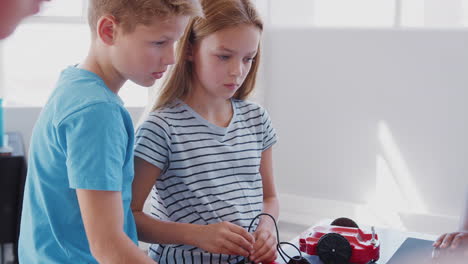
(225, 238)
(265, 245)
(451, 248)
(452, 240)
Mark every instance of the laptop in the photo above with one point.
(419, 251)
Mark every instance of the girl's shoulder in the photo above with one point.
(168, 114)
(244, 107)
(171, 109)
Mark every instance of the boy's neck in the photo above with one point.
(104, 69)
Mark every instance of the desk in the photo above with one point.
(12, 179)
(390, 241)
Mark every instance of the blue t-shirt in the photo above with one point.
(83, 139)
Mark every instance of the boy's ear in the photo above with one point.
(107, 29)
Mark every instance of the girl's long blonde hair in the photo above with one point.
(218, 15)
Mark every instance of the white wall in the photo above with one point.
(340, 99)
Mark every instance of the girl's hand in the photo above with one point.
(224, 238)
(452, 240)
(265, 245)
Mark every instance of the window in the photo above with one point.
(61, 8)
(356, 13)
(41, 47)
(29, 75)
(292, 13)
(366, 13)
(411, 13)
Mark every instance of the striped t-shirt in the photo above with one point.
(209, 174)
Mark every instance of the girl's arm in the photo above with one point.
(221, 238)
(265, 234)
(270, 196)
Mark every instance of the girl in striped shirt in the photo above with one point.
(204, 152)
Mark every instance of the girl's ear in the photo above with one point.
(189, 53)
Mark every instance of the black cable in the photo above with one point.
(278, 244)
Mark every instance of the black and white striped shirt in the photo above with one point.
(209, 173)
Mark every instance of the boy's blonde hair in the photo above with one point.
(130, 13)
(218, 15)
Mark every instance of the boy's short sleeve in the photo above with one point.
(153, 140)
(269, 133)
(95, 141)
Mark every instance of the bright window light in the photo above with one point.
(412, 13)
(465, 13)
(292, 13)
(34, 56)
(63, 8)
(443, 13)
(356, 13)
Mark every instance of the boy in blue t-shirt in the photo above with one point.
(76, 206)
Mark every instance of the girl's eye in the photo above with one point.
(248, 59)
(223, 57)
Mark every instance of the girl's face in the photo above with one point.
(222, 60)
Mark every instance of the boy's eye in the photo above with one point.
(223, 57)
(158, 43)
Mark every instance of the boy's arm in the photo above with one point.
(102, 215)
(224, 237)
(265, 234)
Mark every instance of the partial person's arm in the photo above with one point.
(102, 215)
(456, 239)
(464, 219)
(220, 238)
(265, 234)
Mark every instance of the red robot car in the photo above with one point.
(341, 242)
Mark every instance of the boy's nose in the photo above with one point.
(169, 59)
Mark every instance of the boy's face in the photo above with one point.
(222, 60)
(143, 55)
(13, 11)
